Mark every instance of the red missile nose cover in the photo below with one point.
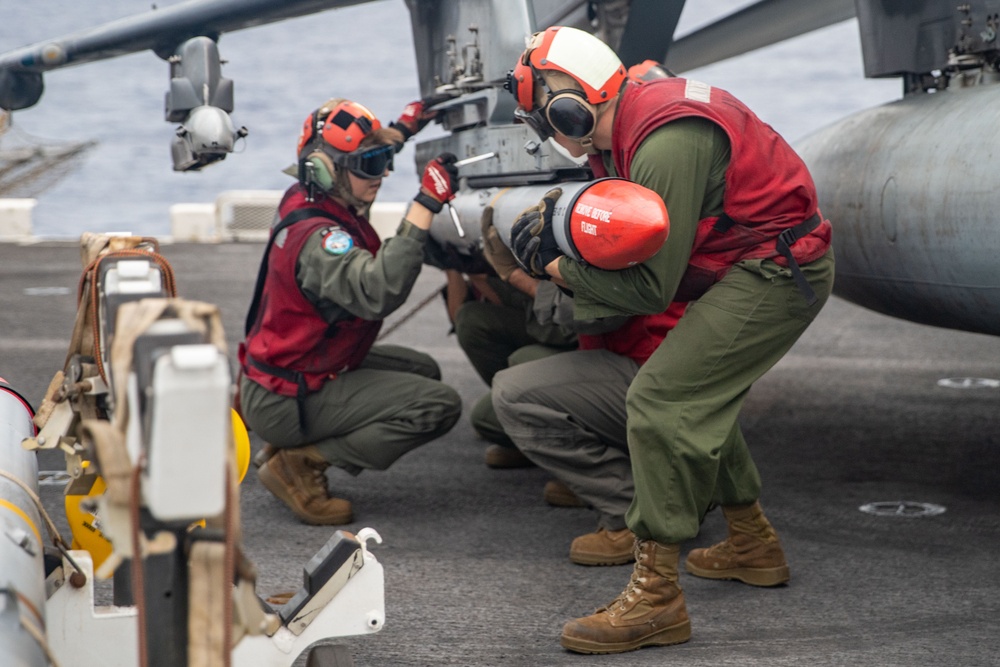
(615, 223)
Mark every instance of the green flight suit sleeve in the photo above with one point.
(359, 283)
(685, 162)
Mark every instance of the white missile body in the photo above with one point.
(22, 569)
(610, 223)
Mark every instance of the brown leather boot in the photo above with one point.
(296, 477)
(604, 547)
(558, 494)
(751, 554)
(649, 612)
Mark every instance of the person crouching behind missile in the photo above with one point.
(499, 318)
(749, 253)
(566, 414)
(313, 385)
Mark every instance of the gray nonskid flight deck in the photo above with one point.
(476, 567)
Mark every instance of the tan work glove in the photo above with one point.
(496, 253)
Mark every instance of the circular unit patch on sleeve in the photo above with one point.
(337, 241)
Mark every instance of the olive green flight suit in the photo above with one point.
(496, 336)
(393, 403)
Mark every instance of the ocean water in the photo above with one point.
(283, 71)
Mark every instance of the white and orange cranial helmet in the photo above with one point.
(591, 63)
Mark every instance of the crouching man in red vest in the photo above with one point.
(313, 385)
(748, 252)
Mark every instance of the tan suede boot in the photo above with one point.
(604, 547)
(296, 477)
(649, 612)
(558, 494)
(751, 554)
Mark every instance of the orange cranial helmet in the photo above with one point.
(591, 63)
(342, 126)
(332, 136)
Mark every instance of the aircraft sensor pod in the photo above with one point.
(610, 223)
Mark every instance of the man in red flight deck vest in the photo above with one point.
(313, 385)
(749, 253)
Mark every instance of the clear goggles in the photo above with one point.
(564, 113)
(368, 163)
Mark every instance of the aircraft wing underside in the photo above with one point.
(160, 30)
(755, 26)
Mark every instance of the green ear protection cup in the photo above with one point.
(321, 169)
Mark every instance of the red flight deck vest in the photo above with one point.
(290, 349)
(639, 337)
(768, 187)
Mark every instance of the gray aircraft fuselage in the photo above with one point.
(910, 187)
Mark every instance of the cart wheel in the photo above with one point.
(330, 655)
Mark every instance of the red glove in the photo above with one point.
(413, 119)
(439, 182)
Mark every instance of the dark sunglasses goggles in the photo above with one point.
(565, 113)
(368, 163)
(536, 121)
(569, 114)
